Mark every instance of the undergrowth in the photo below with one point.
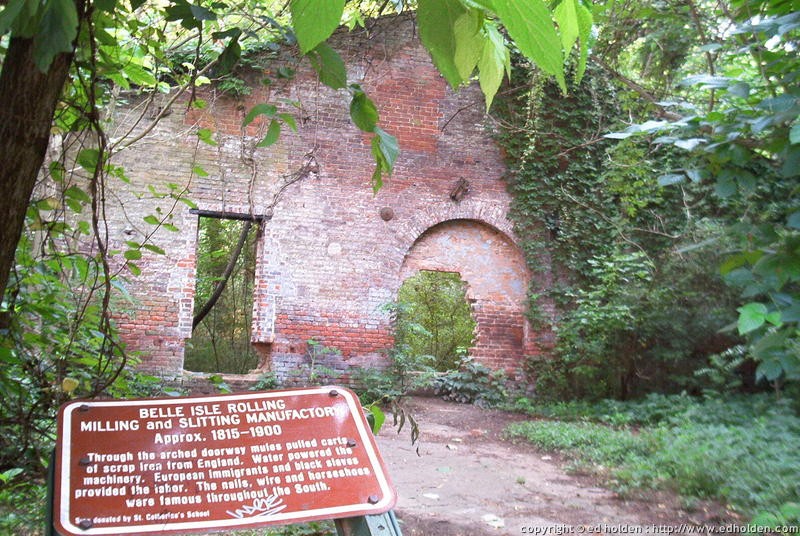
(740, 450)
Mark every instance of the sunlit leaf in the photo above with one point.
(155, 249)
(469, 43)
(751, 317)
(531, 26)
(494, 61)
(88, 159)
(436, 19)
(314, 20)
(206, 136)
(132, 254)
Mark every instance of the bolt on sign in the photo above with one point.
(181, 465)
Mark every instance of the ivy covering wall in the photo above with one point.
(637, 309)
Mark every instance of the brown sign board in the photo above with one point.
(197, 464)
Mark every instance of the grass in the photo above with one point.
(740, 450)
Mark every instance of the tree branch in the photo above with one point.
(225, 276)
(662, 112)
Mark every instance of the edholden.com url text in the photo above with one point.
(607, 528)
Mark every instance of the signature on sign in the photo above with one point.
(263, 507)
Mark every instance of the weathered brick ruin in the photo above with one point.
(330, 251)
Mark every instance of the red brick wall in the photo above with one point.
(327, 261)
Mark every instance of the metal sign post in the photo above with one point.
(181, 465)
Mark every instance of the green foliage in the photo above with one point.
(592, 442)
(49, 357)
(314, 21)
(266, 382)
(696, 447)
(432, 318)
(462, 36)
(407, 372)
(787, 515)
(53, 25)
(221, 342)
(598, 333)
(639, 305)
(722, 373)
(21, 504)
(235, 87)
(57, 343)
(317, 353)
(734, 131)
(472, 383)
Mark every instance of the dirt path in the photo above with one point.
(469, 481)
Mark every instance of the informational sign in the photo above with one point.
(182, 465)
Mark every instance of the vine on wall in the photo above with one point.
(634, 312)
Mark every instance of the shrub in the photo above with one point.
(472, 383)
(432, 318)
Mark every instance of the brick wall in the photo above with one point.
(327, 259)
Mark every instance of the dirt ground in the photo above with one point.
(469, 481)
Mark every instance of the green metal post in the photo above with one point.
(375, 525)
(49, 529)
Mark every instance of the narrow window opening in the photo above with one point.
(434, 318)
(223, 310)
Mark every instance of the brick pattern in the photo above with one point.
(327, 260)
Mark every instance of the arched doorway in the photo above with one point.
(434, 319)
(497, 282)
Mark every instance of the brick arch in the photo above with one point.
(487, 212)
(497, 279)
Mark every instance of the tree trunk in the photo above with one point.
(225, 276)
(28, 98)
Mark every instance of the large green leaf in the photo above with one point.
(57, 30)
(232, 53)
(314, 21)
(22, 17)
(794, 133)
(530, 25)
(273, 134)
(385, 150)
(88, 159)
(751, 317)
(363, 112)
(437, 19)
(329, 66)
(190, 15)
(259, 109)
(494, 61)
(138, 75)
(566, 15)
(469, 43)
(9, 15)
(585, 21)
